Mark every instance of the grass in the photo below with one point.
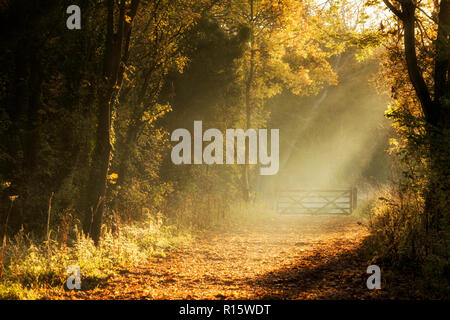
(33, 269)
(413, 260)
(37, 268)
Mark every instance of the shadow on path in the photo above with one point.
(327, 273)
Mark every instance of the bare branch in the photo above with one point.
(394, 10)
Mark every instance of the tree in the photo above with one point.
(45, 104)
(433, 94)
(116, 51)
(283, 52)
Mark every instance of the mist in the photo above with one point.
(337, 139)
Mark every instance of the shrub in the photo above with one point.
(33, 266)
(404, 246)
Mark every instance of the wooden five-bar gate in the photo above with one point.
(336, 201)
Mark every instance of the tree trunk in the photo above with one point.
(436, 111)
(248, 111)
(116, 52)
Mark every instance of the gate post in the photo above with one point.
(354, 199)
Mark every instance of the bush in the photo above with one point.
(404, 246)
(32, 266)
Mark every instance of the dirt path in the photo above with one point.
(288, 257)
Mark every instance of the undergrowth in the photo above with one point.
(413, 258)
(33, 268)
(37, 269)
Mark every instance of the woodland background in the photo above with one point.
(359, 91)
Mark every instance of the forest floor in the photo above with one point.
(285, 257)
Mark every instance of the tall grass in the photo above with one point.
(401, 243)
(34, 268)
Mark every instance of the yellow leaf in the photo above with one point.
(114, 175)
